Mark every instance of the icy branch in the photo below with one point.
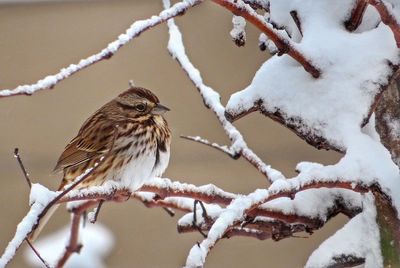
(132, 32)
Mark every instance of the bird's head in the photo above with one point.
(138, 102)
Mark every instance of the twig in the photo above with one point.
(73, 245)
(21, 165)
(37, 253)
(169, 211)
(356, 15)
(244, 205)
(132, 32)
(96, 214)
(387, 18)
(283, 44)
(222, 148)
(296, 20)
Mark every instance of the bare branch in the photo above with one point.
(222, 148)
(296, 20)
(285, 46)
(356, 15)
(73, 244)
(21, 165)
(37, 253)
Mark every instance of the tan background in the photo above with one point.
(39, 39)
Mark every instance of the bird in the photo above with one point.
(127, 140)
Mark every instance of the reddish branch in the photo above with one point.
(295, 124)
(284, 45)
(73, 244)
(387, 18)
(356, 15)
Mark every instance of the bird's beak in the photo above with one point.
(159, 109)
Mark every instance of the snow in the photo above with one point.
(238, 32)
(40, 197)
(313, 203)
(97, 243)
(335, 105)
(212, 99)
(358, 238)
(233, 213)
(133, 31)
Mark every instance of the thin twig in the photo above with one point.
(222, 148)
(296, 20)
(21, 165)
(194, 221)
(169, 211)
(45, 263)
(96, 214)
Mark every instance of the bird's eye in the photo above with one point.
(141, 107)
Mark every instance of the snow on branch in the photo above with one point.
(357, 242)
(132, 32)
(212, 100)
(284, 45)
(39, 199)
(343, 95)
(236, 212)
(238, 32)
(388, 18)
(356, 15)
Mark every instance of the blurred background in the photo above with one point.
(39, 38)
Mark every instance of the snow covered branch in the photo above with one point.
(353, 108)
(284, 45)
(356, 15)
(132, 32)
(212, 100)
(388, 18)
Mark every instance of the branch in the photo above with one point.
(222, 148)
(242, 206)
(37, 254)
(212, 101)
(387, 18)
(132, 32)
(285, 45)
(21, 165)
(296, 20)
(356, 15)
(73, 244)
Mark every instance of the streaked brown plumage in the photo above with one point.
(136, 117)
(133, 128)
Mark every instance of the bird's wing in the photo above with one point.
(93, 140)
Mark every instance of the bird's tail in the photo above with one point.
(42, 223)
